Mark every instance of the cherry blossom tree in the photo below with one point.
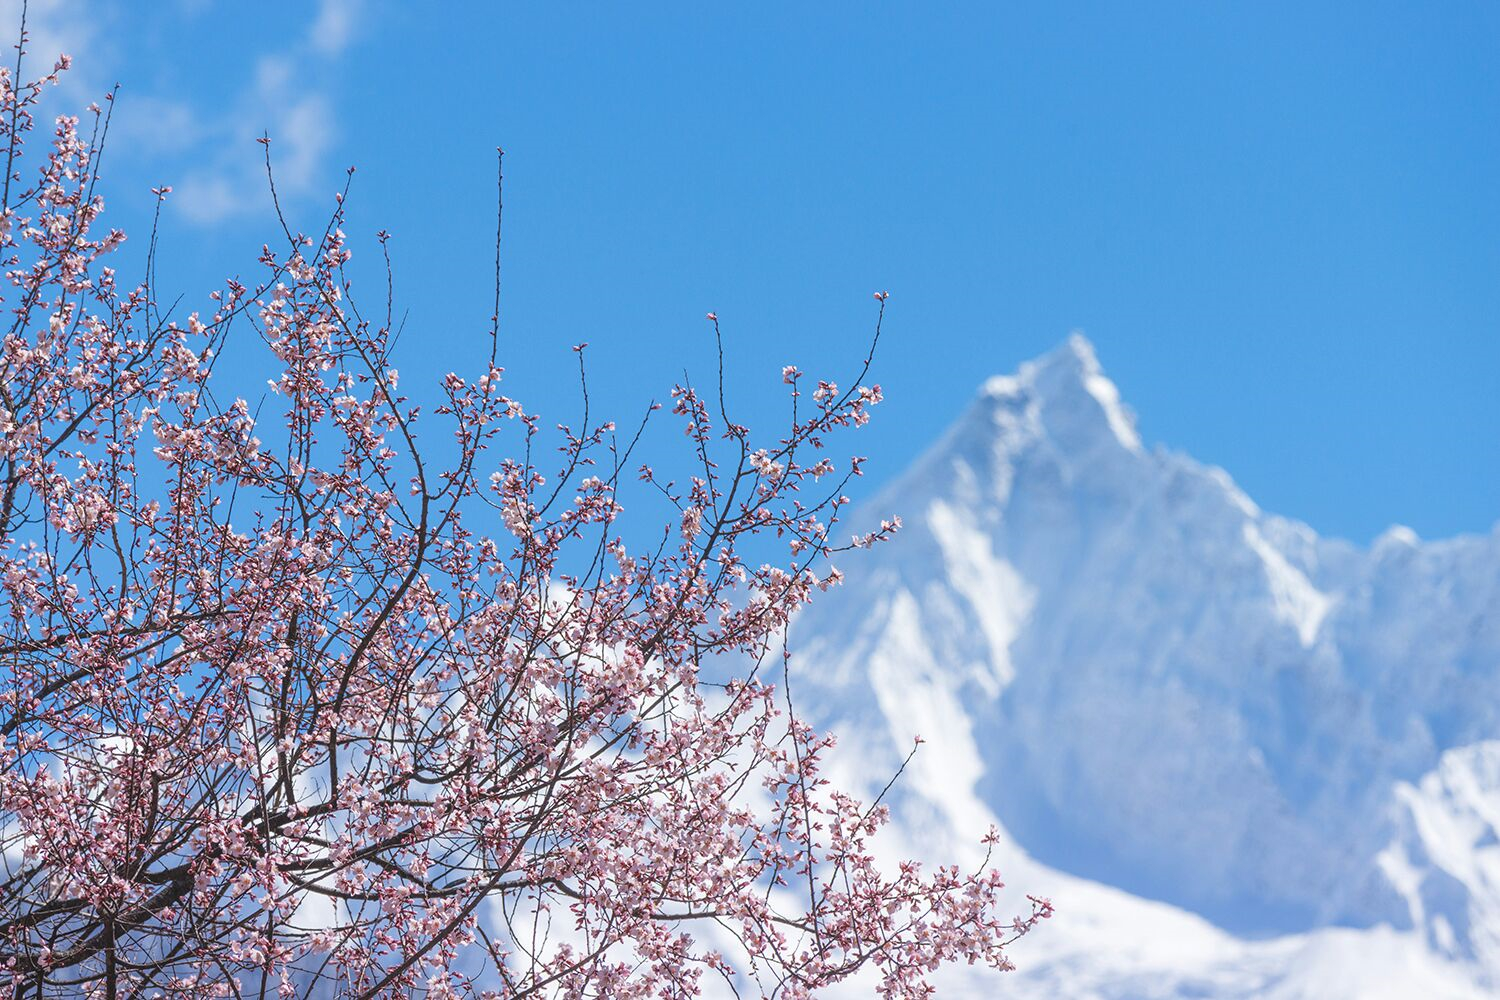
(292, 704)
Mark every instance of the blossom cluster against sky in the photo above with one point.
(1278, 225)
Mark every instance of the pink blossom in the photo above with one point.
(334, 692)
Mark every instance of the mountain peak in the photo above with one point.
(1074, 395)
(1149, 682)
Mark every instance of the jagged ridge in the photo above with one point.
(1155, 684)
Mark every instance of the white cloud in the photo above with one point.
(163, 126)
(209, 156)
(300, 124)
(335, 25)
(54, 28)
(234, 182)
(207, 197)
(305, 134)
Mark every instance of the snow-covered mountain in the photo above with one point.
(1259, 756)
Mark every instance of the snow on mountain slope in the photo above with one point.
(1158, 687)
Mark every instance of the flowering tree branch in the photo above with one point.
(291, 703)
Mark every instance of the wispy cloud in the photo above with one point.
(229, 178)
(335, 25)
(280, 101)
(208, 155)
(54, 28)
(158, 126)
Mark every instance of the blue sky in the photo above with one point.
(1279, 226)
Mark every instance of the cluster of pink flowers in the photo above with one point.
(288, 707)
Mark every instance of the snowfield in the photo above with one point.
(1242, 759)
